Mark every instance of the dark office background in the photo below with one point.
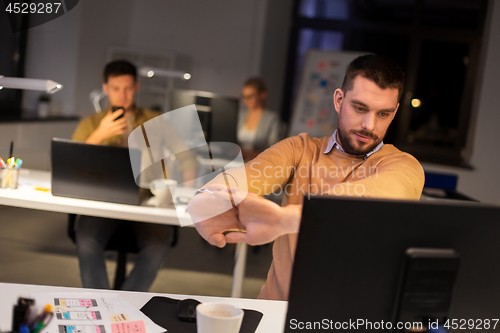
(12, 58)
(436, 42)
(449, 50)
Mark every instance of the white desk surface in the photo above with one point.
(27, 197)
(272, 321)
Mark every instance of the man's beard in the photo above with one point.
(347, 140)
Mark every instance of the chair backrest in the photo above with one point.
(446, 182)
(123, 240)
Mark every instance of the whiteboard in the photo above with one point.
(323, 72)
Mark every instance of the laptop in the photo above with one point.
(368, 264)
(94, 172)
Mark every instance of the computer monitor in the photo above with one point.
(218, 114)
(361, 261)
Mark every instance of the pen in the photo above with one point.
(2, 163)
(24, 329)
(32, 314)
(38, 327)
(205, 190)
(48, 317)
(11, 152)
(43, 319)
(44, 322)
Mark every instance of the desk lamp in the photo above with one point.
(48, 86)
(152, 71)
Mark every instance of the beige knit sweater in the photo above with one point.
(298, 166)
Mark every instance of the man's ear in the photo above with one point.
(105, 88)
(396, 110)
(338, 97)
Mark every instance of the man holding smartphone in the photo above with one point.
(112, 127)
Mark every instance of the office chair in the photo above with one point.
(445, 182)
(124, 242)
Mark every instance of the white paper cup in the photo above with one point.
(163, 190)
(218, 318)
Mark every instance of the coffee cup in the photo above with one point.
(163, 190)
(218, 318)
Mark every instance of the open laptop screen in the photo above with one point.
(94, 172)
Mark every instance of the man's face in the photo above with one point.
(365, 113)
(121, 90)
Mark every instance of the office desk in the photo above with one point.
(27, 197)
(272, 321)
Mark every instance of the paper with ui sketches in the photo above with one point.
(94, 313)
(129, 327)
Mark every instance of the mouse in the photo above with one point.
(186, 310)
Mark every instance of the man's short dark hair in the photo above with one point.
(384, 72)
(119, 67)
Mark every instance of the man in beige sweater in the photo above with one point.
(354, 161)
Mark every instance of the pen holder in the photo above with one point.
(9, 178)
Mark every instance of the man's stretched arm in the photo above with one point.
(264, 221)
(214, 214)
(399, 176)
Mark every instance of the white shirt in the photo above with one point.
(246, 137)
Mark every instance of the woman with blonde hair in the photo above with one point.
(258, 127)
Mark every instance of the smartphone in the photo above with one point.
(116, 108)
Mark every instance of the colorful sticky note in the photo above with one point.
(129, 327)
